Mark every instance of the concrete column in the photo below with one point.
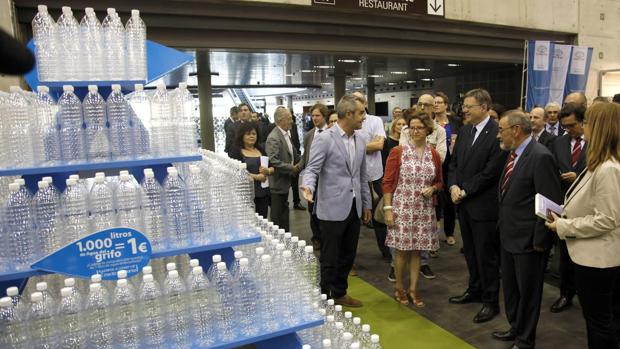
(370, 95)
(340, 81)
(205, 92)
(289, 102)
(6, 23)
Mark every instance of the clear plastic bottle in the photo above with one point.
(48, 220)
(183, 109)
(10, 325)
(153, 211)
(288, 290)
(202, 308)
(103, 213)
(234, 269)
(125, 317)
(50, 180)
(355, 345)
(222, 283)
(197, 198)
(128, 204)
(75, 213)
(19, 125)
(121, 131)
(244, 194)
(311, 268)
(136, 47)
(327, 343)
(44, 32)
(246, 295)
(365, 336)
(75, 291)
(42, 331)
(267, 289)
(374, 342)
(114, 46)
(98, 319)
(140, 104)
(215, 259)
(357, 328)
(176, 209)
(71, 131)
(153, 323)
(19, 228)
(71, 322)
(97, 134)
(45, 139)
(69, 46)
(20, 304)
(346, 340)
(162, 139)
(176, 304)
(92, 46)
(122, 275)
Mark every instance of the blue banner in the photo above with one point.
(577, 77)
(105, 253)
(539, 70)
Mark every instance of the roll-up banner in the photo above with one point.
(577, 76)
(561, 60)
(540, 62)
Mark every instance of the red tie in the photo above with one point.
(576, 152)
(508, 171)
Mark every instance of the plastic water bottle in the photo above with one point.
(44, 31)
(70, 319)
(46, 145)
(69, 45)
(183, 109)
(201, 309)
(141, 119)
(122, 275)
(128, 204)
(103, 214)
(246, 296)
(212, 271)
(20, 304)
(311, 268)
(374, 342)
(346, 340)
(97, 134)
(365, 336)
(267, 289)
(136, 47)
(153, 324)
(152, 209)
(71, 132)
(10, 325)
(162, 139)
(19, 138)
(176, 208)
(75, 213)
(50, 180)
(355, 345)
(176, 304)
(92, 45)
(197, 198)
(336, 335)
(327, 343)
(98, 318)
(121, 132)
(42, 332)
(234, 269)
(226, 317)
(114, 46)
(244, 194)
(48, 220)
(125, 316)
(19, 228)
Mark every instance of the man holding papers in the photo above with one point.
(525, 241)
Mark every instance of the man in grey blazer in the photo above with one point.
(338, 157)
(284, 158)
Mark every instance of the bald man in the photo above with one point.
(539, 134)
(577, 97)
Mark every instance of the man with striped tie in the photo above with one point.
(525, 240)
(569, 151)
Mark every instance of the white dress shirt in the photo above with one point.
(349, 144)
(479, 127)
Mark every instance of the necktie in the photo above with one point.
(320, 130)
(473, 134)
(508, 171)
(576, 152)
(552, 130)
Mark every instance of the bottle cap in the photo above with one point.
(330, 302)
(221, 266)
(365, 328)
(149, 175)
(48, 179)
(75, 176)
(41, 286)
(67, 88)
(122, 172)
(355, 345)
(147, 277)
(309, 249)
(348, 315)
(338, 307)
(96, 278)
(92, 88)
(265, 258)
(161, 86)
(43, 184)
(36, 297)
(173, 273)
(243, 166)
(327, 343)
(14, 89)
(99, 179)
(135, 13)
(281, 231)
(323, 297)
(197, 270)
(194, 263)
(121, 274)
(216, 258)
(42, 8)
(20, 181)
(286, 254)
(43, 89)
(116, 87)
(89, 10)
(172, 171)
(339, 325)
(66, 9)
(183, 85)
(306, 346)
(111, 11)
(287, 235)
(171, 266)
(66, 291)
(244, 262)
(14, 187)
(147, 270)
(124, 177)
(295, 239)
(347, 336)
(100, 174)
(238, 254)
(330, 318)
(374, 338)
(69, 282)
(121, 283)
(5, 302)
(71, 182)
(259, 250)
(138, 87)
(94, 287)
(357, 320)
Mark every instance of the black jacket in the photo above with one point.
(562, 151)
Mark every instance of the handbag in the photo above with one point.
(378, 214)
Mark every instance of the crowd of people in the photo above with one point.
(428, 166)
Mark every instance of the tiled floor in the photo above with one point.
(565, 330)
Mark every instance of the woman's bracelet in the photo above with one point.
(386, 208)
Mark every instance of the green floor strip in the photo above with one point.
(399, 326)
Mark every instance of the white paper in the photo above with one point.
(578, 60)
(264, 162)
(561, 59)
(542, 206)
(541, 55)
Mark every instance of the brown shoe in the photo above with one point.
(316, 245)
(353, 272)
(347, 301)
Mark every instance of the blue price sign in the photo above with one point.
(104, 252)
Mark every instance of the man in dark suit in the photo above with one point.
(525, 240)
(475, 167)
(319, 113)
(284, 158)
(552, 109)
(231, 119)
(537, 118)
(570, 154)
(243, 115)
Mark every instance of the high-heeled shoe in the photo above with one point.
(401, 296)
(415, 299)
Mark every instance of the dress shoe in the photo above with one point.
(561, 304)
(487, 313)
(465, 298)
(299, 207)
(505, 336)
(348, 301)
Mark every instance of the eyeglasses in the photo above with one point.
(573, 125)
(424, 105)
(465, 106)
(416, 129)
(332, 121)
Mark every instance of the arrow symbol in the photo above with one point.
(435, 7)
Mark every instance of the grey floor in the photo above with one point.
(565, 330)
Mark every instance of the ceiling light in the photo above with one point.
(324, 67)
(308, 71)
(348, 61)
(288, 75)
(375, 76)
(422, 69)
(357, 79)
(399, 72)
(425, 79)
(326, 83)
(409, 82)
(453, 65)
(391, 83)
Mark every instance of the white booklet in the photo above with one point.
(543, 206)
(264, 162)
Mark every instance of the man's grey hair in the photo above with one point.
(517, 117)
(347, 104)
(279, 113)
(481, 96)
(552, 104)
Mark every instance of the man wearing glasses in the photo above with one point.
(551, 116)
(475, 168)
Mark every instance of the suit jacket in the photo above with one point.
(308, 138)
(562, 151)
(592, 226)
(476, 169)
(329, 160)
(281, 160)
(519, 227)
(546, 139)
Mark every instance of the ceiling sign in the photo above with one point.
(402, 7)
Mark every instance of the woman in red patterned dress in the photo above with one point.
(412, 178)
